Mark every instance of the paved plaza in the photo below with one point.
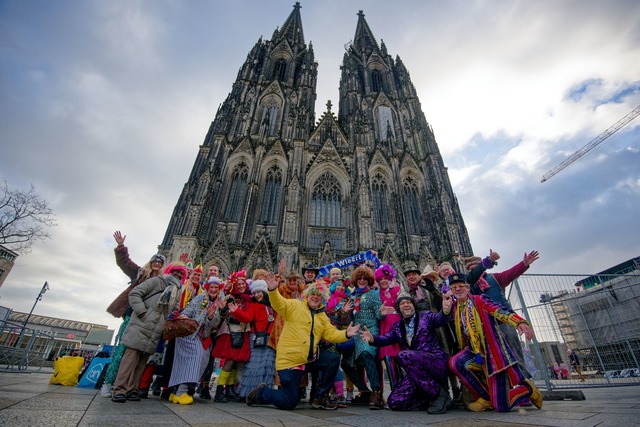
(27, 399)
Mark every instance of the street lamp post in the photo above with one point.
(44, 289)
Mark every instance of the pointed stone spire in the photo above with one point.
(364, 38)
(292, 28)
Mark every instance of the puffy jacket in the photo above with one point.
(147, 321)
(294, 343)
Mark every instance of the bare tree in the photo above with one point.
(24, 218)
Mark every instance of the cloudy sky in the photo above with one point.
(103, 106)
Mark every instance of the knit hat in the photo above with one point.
(158, 257)
(385, 271)
(470, 261)
(404, 295)
(258, 285)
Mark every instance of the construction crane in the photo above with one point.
(595, 141)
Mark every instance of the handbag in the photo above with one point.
(237, 339)
(261, 339)
(176, 328)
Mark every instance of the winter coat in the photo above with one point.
(119, 306)
(152, 301)
(294, 343)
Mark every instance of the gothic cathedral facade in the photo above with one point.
(271, 182)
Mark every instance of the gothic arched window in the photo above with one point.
(380, 198)
(326, 202)
(412, 206)
(280, 70)
(376, 81)
(270, 114)
(272, 195)
(237, 193)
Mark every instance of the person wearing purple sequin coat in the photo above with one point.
(421, 356)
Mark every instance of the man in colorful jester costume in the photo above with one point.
(486, 364)
(421, 356)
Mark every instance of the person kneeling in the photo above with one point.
(305, 324)
(416, 334)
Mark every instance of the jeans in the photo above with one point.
(287, 397)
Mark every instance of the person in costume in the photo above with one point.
(486, 364)
(120, 306)
(385, 277)
(231, 351)
(367, 311)
(261, 366)
(310, 273)
(421, 356)
(151, 301)
(192, 352)
(298, 353)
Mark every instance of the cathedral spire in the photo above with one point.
(292, 28)
(364, 39)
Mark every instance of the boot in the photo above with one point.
(204, 392)
(219, 397)
(440, 404)
(230, 395)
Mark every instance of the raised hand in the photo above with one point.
(386, 309)
(347, 306)
(493, 256)
(530, 257)
(184, 257)
(119, 238)
(282, 266)
(447, 302)
(272, 284)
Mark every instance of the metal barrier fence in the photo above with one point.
(597, 317)
(21, 347)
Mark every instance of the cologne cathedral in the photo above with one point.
(273, 181)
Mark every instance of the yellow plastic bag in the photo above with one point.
(66, 370)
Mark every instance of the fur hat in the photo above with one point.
(363, 272)
(404, 295)
(258, 285)
(259, 273)
(429, 273)
(385, 271)
(470, 261)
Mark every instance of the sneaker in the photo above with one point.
(252, 397)
(119, 398)
(341, 402)
(375, 401)
(105, 390)
(133, 396)
(324, 403)
(349, 398)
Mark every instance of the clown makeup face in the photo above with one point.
(177, 274)
(406, 308)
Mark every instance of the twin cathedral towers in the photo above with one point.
(271, 181)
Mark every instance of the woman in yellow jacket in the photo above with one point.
(305, 324)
